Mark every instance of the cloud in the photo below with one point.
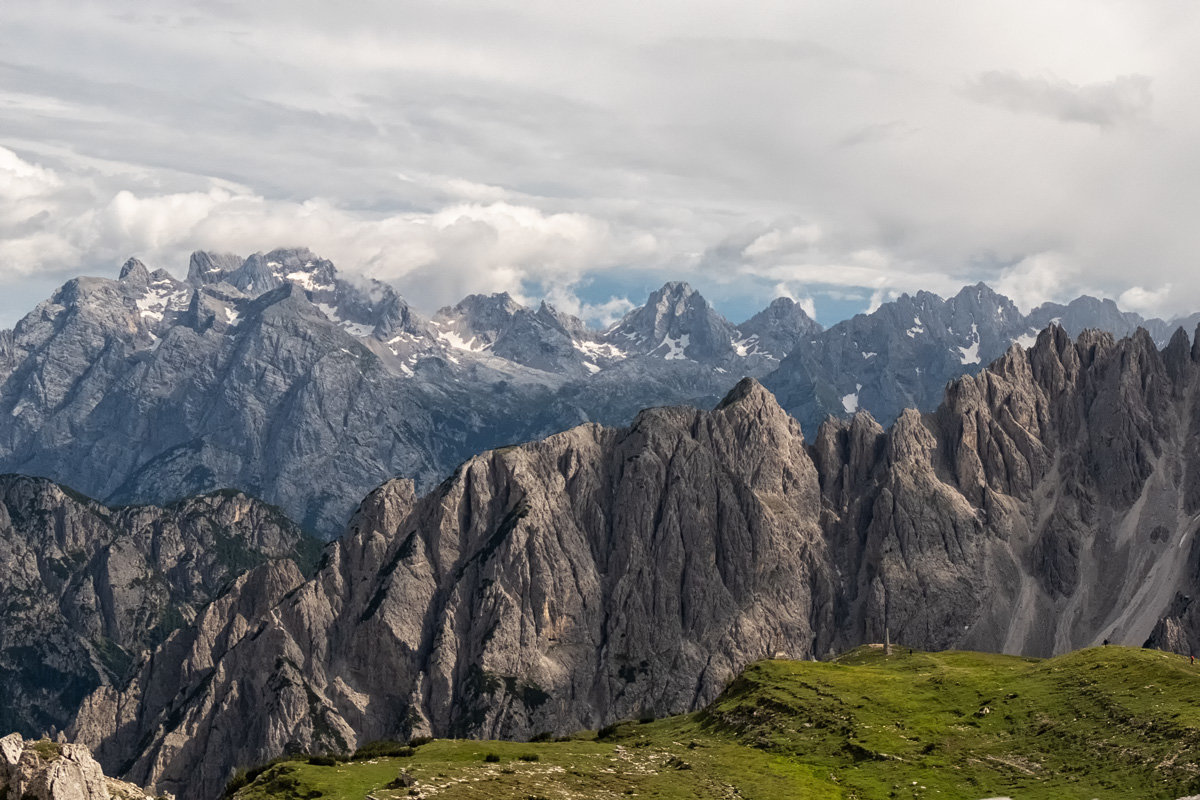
(790, 254)
(469, 146)
(797, 236)
(1038, 278)
(20, 180)
(600, 315)
(804, 301)
(439, 255)
(1146, 301)
(1123, 99)
(879, 297)
(874, 133)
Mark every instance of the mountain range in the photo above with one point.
(1049, 502)
(86, 590)
(278, 376)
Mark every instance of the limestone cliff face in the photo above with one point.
(1049, 503)
(553, 586)
(47, 770)
(85, 589)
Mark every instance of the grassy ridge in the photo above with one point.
(1098, 723)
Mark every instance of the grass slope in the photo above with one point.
(1098, 723)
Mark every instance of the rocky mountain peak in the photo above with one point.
(1177, 354)
(1086, 312)
(397, 317)
(776, 330)
(262, 272)
(675, 300)
(205, 267)
(985, 305)
(544, 339)
(676, 323)
(673, 291)
(910, 440)
(299, 266)
(134, 271)
(900, 355)
(571, 324)
(748, 392)
(478, 320)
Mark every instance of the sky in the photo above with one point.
(837, 153)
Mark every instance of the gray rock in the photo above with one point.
(48, 770)
(86, 590)
(901, 356)
(544, 339)
(605, 572)
(277, 375)
(778, 329)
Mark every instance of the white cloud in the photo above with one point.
(21, 180)
(1146, 301)
(1039, 278)
(437, 256)
(879, 297)
(469, 146)
(799, 236)
(599, 315)
(805, 302)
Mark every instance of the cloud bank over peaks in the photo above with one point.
(51, 227)
(838, 152)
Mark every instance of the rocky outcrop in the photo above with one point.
(85, 590)
(48, 770)
(606, 572)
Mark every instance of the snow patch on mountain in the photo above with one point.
(604, 350)
(160, 297)
(850, 401)
(304, 279)
(970, 355)
(1026, 340)
(454, 340)
(746, 346)
(676, 347)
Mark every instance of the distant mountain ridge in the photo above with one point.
(277, 375)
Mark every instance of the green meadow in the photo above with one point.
(1098, 723)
